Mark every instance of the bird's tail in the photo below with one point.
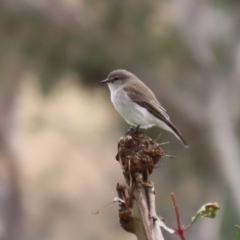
(179, 136)
(177, 133)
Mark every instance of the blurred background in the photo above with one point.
(59, 130)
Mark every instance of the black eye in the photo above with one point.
(116, 78)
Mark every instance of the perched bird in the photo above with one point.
(137, 104)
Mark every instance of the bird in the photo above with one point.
(137, 104)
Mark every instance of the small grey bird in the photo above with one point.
(137, 104)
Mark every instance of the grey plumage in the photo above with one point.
(137, 103)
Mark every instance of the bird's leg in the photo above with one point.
(130, 131)
(133, 130)
(136, 130)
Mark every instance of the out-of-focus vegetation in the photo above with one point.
(58, 141)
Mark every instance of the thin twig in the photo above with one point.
(180, 230)
(114, 201)
(176, 210)
(155, 140)
(164, 143)
(129, 172)
(170, 156)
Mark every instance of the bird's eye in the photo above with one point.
(116, 78)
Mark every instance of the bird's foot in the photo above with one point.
(137, 129)
(133, 130)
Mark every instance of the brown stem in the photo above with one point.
(138, 156)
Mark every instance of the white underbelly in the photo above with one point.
(133, 113)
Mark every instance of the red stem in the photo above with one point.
(181, 235)
(180, 230)
(176, 210)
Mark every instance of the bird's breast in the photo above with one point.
(130, 111)
(120, 100)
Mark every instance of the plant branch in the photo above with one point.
(138, 156)
(180, 230)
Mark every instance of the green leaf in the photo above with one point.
(238, 233)
(164, 226)
(208, 210)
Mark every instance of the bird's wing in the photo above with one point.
(161, 108)
(153, 106)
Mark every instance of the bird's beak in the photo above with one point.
(105, 80)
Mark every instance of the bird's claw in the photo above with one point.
(133, 130)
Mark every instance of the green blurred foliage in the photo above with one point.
(238, 233)
(122, 38)
(99, 36)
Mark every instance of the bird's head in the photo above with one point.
(117, 78)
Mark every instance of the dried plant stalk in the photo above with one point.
(138, 156)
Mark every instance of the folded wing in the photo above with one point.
(153, 106)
